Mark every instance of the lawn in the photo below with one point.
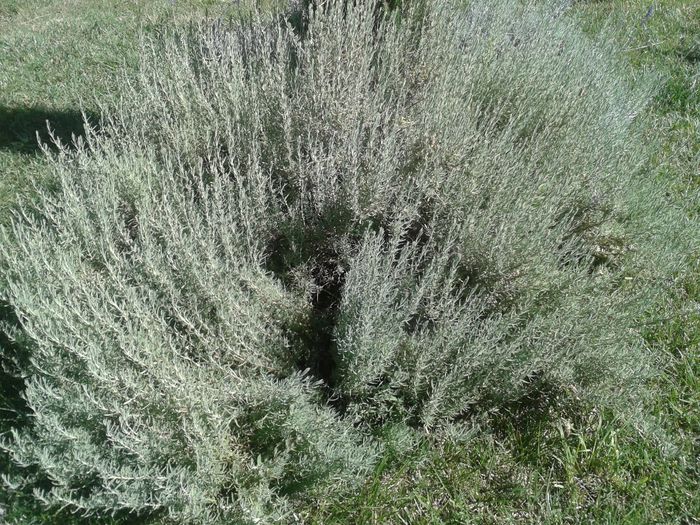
(546, 460)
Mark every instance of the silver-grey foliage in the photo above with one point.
(283, 239)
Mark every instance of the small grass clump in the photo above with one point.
(301, 243)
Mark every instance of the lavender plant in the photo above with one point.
(281, 241)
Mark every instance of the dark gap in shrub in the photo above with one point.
(323, 359)
(13, 351)
(311, 249)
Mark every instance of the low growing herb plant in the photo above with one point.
(293, 233)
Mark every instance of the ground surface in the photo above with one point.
(544, 464)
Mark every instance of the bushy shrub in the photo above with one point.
(281, 242)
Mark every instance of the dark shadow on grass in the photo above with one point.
(19, 127)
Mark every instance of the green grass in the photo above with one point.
(547, 462)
